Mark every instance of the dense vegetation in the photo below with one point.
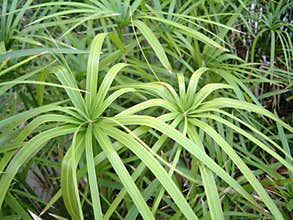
(174, 109)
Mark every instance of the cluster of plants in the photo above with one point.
(143, 109)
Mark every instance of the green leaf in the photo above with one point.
(182, 89)
(17, 119)
(92, 173)
(17, 207)
(25, 153)
(109, 100)
(19, 64)
(36, 52)
(206, 91)
(253, 139)
(188, 145)
(69, 184)
(138, 171)
(41, 88)
(150, 161)
(105, 85)
(208, 180)
(12, 83)
(123, 174)
(148, 104)
(154, 42)
(236, 104)
(189, 31)
(93, 69)
(192, 86)
(66, 78)
(241, 165)
(2, 47)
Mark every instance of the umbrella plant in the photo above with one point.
(141, 110)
